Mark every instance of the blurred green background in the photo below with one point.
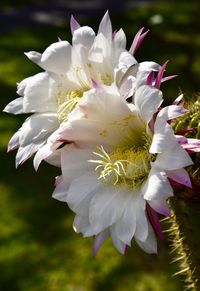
(38, 247)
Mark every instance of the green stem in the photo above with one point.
(184, 233)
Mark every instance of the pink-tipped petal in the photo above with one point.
(14, 142)
(138, 39)
(96, 84)
(168, 78)
(172, 111)
(99, 240)
(113, 34)
(105, 26)
(35, 57)
(24, 153)
(58, 180)
(41, 154)
(155, 222)
(160, 206)
(180, 176)
(126, 249)
(45, 152)
(74, 25)
(191, 145)
(160, 75)
(150, 78)
(181, 139)
(178, 99)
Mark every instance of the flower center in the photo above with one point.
(127, 166)
(66, 103)
(105, 77)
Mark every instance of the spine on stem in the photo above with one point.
(184, 230)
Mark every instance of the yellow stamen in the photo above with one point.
(81, 78)
(123, 166)
(66, 101)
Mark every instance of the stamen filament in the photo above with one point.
(131, 171)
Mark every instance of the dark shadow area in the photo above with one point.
(37, 13)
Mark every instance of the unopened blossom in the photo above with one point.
(69, 71)
(116, 164)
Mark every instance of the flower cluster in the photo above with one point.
(97, 114)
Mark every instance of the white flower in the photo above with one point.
(70, 70)
(117, 164)
(127, 84)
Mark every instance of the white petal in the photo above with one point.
(157, 185)
(147, 100)
(83, 36)
(120, 39)
(99, 240)
(144, 68)
(171, 112)
(60, 192)
(163, 137)
(57, 57)
(127, 87)
(160, 206)
(25, 152)
(181, 176)
(38, 127)
(22, 85)
(35, 57)
(34, 133)
(49, 152)
(105, 26)
(126, 60)
(101, 125)
(54, 159)
(84, 131)
(98, 104)
(74, 161)
(141, 232)
(14, 141)
(125, 227)
(81, 191)
(100, 55)
(83, 39)
(15, 106)
(81, 225)
(41, 154)
(174, 158)
(106, 207)
(39, 94)
(150, 244)
(120, 246)
(148, 66)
